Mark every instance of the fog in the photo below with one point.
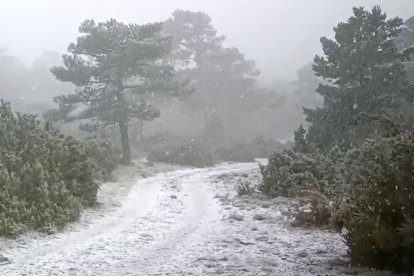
(279, 35)
(206, 137)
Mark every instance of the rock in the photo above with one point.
(4, 260)
(259, 217)
(262, 238)
(337, 262)
(267, 269)
(255, 229)
(51, 231)
(223, 199)
(243, 242)
(271, 263)
(236, 217)
(238, 205)
(320, 252)
(302, 254)
(173, 197)
(278, 214)
(266, 205)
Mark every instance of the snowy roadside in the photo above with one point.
(264, 226)
(184, 222)
(110, 197)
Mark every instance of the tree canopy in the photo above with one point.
(364, 74)
(305, 87)
(116, 67)
(406, 43)
(224, 80)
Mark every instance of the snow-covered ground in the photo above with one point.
(184, 222)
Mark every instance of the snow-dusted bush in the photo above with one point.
(193, 153)
(103, 154)
(288, 173)
(368, 193)
(202, 152)
(240, 152)
(248, 151)
(244, 188)
(146, 144)
(315, 178)
(378, 214)
(45, 177)
(317, 212)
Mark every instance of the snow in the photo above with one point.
(180, 223)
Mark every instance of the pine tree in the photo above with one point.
(300, 140)
(115, 66)
(405, 42)
(224, 80)
(364, 74)
(378, 212)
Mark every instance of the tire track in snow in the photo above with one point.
(176, 224)
(154, 221)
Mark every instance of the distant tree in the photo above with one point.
(364, 74)
(406, 41)
(406, 38)
(225, 82)
(14, 79)
(300, 140)
(193, 36)
(115, 67)
(305, 88)
(30, 88)
(226, 87)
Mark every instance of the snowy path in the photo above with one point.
(179, 223)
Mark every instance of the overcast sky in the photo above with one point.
(280, 35)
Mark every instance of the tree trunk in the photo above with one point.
(140, 130)
(210, 137)
(229, 124)
(126, 151)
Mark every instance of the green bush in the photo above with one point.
(248, 151)
(378, 214)
(288, 173)
(164, 147)
(192, 153)
(45, 178)
(244, 188)
(318, 180)
(104, 155)
(317, 213)
(368, 193)
(238, 153)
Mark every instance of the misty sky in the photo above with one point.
(281, 35)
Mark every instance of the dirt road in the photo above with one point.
(186, 222)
